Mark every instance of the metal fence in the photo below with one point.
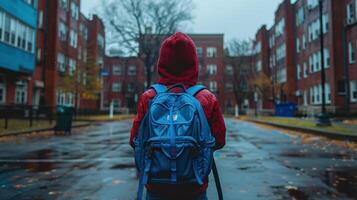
(26, 112)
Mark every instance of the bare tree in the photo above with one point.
(239, 57)
(139, 26)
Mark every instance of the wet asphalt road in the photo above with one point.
(96, 163)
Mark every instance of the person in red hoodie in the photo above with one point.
(178, 63)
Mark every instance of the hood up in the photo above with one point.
(178, 62)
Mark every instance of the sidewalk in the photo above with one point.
(80, 121)
(336, 131)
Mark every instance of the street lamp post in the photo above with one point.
(323, 118)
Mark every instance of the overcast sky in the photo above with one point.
(235, 18)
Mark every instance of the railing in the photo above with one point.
(26, 112)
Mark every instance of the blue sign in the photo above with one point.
(104, 72)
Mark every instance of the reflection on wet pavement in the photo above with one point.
(97, 163)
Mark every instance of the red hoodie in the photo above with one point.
(178, 63)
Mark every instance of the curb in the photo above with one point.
(17, 133)
(318, 132)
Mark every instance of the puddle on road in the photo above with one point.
(300, 154)
(343, 180)
(123, 166)
(42, 154)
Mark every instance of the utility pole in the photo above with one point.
(323, 118)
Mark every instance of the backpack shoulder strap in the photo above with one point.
(159, 88)
(194, 90)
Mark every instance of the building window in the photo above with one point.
(72, 66)
(61, 62)
(258, 66)
(298, 72)
(62, 31)
(281, 75)
(351, 52)
(327, 58)
(306, 70)
(229, 70)
(350, 13)
(73, 36)
(213, 86)
(212, 69)
(7, 28)
(311, 4)
(2, 90)
(199, 51)
(328, 93)
(30, 40)
(39, 54)
(21, 92)
(116, 87)
(280, 27)
(74, 11)
(40, 19)
(300, 16)
(2, 24)
(31, 2)
(101, 41)
(116, 103)
(116, 70)
(131, 87)
(61, 98)
(64, 4)
(353, 95)
(132, 70)
(298, 45)
(326, 24)
(281, 52)
(303, 41)
(229, 87)
(13, 31)
(211, 52)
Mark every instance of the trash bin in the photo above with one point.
(285, 110)
(64, 119)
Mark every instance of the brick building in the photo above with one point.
(350, 47)
(262, 62)
(295, 56)
(70, 48)
(282, 53)
(124, 89)
(17, 50)
(308, 54)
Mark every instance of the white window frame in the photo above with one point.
(132, 70)
(73, 38)
(213, 86)
(116, 87)
(74, 11)
(62, 31)
(212, 69)
(229, 70)
(117, 70)
(199, 51)
(298, 72)
(211, 52)
(40, 19)
(21, 92)
(72, 64)
(353, 91)
(2, 24)
(61, 62)
(351, 53)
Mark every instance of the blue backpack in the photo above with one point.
(174, 144)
